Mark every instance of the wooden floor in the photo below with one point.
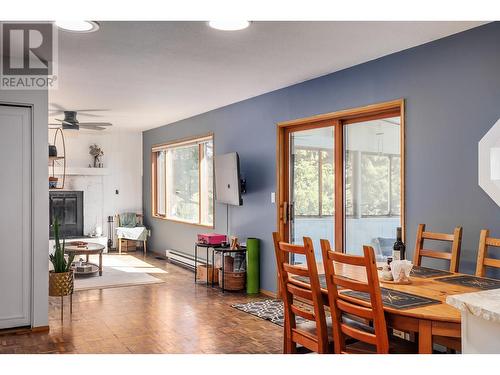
(173, 317)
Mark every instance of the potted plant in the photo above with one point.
(96, 152)
(61, 277)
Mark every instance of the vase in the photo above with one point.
(61, 284)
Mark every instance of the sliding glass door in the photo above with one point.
(341, 179)
(312, 186)
(372, 172)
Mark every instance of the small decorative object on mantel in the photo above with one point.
(96, 152)
(61, 281)
(53, 182)
(234, 243)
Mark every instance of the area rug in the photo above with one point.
(119, 271)
(268, 309)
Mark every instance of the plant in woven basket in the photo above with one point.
(58, 259)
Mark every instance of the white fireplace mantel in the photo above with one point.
(79, 171)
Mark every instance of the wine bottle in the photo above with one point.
(399, 249)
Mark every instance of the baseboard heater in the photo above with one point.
(182, 259)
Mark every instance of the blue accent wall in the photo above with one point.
(452, 92)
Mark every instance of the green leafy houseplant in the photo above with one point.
(58, 259)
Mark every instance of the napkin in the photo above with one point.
(401, 270)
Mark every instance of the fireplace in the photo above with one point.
(67, 206)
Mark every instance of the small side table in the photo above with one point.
(215, 249)
(88, 249)
(207, 247)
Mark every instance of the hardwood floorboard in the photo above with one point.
(172, 317)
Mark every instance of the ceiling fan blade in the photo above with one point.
(67, 122)
(85, 114)
(95, 124)
(56, 107)
(57, 112)
(92, 127)
(91, 110)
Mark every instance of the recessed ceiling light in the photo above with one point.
(229, 25)
(78, 26)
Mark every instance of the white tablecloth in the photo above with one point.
(136, 233)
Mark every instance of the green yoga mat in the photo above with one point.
(253, 245)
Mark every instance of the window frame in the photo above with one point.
(157, 148)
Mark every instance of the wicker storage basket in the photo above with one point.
(233, 280)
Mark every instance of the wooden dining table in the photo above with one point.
(437, 319)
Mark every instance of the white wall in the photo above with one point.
(123, 161)
(40, 204)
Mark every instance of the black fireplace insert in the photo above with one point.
(67, 206)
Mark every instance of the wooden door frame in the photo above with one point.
(339, 119)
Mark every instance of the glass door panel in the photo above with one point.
(311, 173)
(372, 189)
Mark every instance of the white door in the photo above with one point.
(15, 216)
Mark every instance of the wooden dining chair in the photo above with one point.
(454, 256)
(374, 334)
(483, 261)
(312, 334)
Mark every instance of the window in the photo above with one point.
(313, 182)
(183, 181)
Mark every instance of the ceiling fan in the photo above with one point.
(70, 122)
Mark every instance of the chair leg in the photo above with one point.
(144, 247)
(290, 346)
(119, 246)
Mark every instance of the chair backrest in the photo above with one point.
(455, 239)
(340, 304)
(130, 219)
(293, 290)
(485, 241)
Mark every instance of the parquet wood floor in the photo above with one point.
(173, 317)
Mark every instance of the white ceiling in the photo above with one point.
(148, 74)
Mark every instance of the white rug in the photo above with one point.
(119, 271)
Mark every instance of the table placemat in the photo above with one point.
(424, 272)
(472, 282)
(395, 299)
(304, 279)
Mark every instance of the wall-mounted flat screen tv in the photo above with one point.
(227, 179)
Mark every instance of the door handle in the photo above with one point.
(285, 212)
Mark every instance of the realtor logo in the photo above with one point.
(29, 56)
